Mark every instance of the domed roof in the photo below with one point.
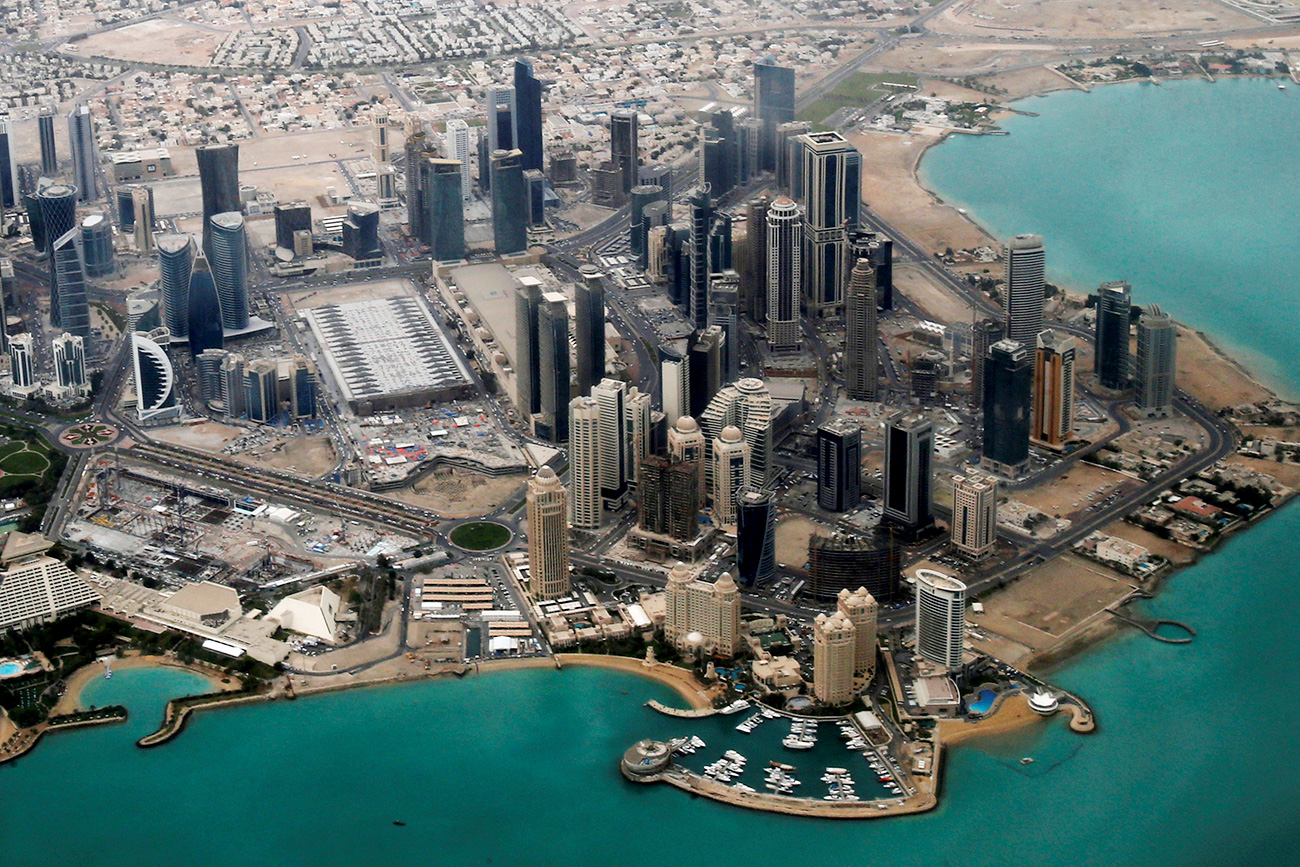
(726, 582)
(679, 572)
(546, 474)
(686, 424)
(730, 434)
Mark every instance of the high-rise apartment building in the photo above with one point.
(175, 264)
(831, 180)
(219, 183)
(22, 361)
(940, 618)
(701, 205)
(839, 465)
(908, 474)
(548, 535)
(730, 473)
(1114, 306)
(623, 146)
(784, 273)
(748, 406)
(229, 260)
(753, 263)
(584, 463)
(1052, 417)
(459, 148)
(686, 444)
(1025, 288)
(610, 395)
(675, 378)
(509, 202)
(974, 515)
(755, 536)
(526, 360)
(1008, 394)
(834, 657)
(554, 371)
(70, 361)
(861, 333)
(668, 498)
(81, 142)
(861, 609)
(1157, 363)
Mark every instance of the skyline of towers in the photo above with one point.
(974, 515)
(908, 474)
(553, 370)
(1025, 288)
(1052, 412)
(940, 618)
(839, 465)
(831, 185)
(861, 333)
(548, 535)
(218, 183)
(1114, 312)
(509, 202)
(81, 144)
(784, 273)
(1008, 394)
(1157, 363)
(229, 262)
(624, 146)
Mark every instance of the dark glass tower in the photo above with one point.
(445, 204)
(527, 365)
(839, 465)
(49, 154)
(553, 352)
(219, 182)
(589, 328)
(755, 536)
(1008, 400)
(70, 300)
(81, 138)
(623, 146)
(909, 474)
(9, 195)
(509, 203)
(1114, 305)
(528, 104)
(773, 103)
(701, 221)
(204, 312)
(58, 207)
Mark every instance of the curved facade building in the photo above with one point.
(58, 206)
(175, 265)
(97, 244)
(69, 304)
(847, 561)
(204, 314)
(940, 618)
(155, 379)
(755, 536)
(784, 272)
(229, 261)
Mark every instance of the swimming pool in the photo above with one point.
(9, 668)
(982, 702)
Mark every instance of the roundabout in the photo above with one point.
(88, 435)
(480, 536)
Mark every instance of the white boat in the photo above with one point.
(839, 772)
(697, 742)
(735, 707)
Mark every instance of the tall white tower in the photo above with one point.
(584, 463)
(548, 535)
(730, 473)
(784, 273)
(458, 144)
(940, 618)
(1026, 288)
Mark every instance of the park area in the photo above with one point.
(22, 461)
(857, 91)
(480, 536)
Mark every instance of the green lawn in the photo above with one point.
(24, 463)
(859, 89)
(480, 536)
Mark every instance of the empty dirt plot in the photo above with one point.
(1075, 490)
(158, 41)
(209, 435)
(1086, 19)
(1036, 610)
(792, 535)
(458, 493)
(311, 455)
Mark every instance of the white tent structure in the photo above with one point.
(311, 612)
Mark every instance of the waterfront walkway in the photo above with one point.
(686, 713)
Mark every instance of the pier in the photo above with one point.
(1151, 627)
(684, 713)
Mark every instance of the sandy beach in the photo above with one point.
(1012, 714)
(71, 700)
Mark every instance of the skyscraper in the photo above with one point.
(71, 300)
(789, 156)
(70, 361)
(642, 196)
(589, 327)
(502, 120)
(861, 609)
(773, 103)
(623, 146)
(879, 252)
(49, 153)
(675, 376)
(861, 333)
(261, 391)
(22, 361)
(528, 104)
(668, 499)
(724, 314)
(553, 372)
(784, 273)
(610, 395)
(155, 380)
(302, 393)
(831, 172)
(1114, 304)
(457, 144)
(81, 141)
(509, 203)
(212, 384)
(940, 618)
(219, 182)
(418, 149)
(706, 368)
(1008, 392)
(527, 361)
(974, 515)
(908, 474)
(730, 473)
(639, 432)
(1157, 363)
(753, 267)
(9, 196)
(1053, 407)
(686, 444)
(755, 536)
(229, 261)
(203, 315)
(143, 218)
(834, 656)
(175, 264)
(361, 232)
(58, 214)
(985, 333)
(548, 535)
(701, 219)
(747, 405)
(1025, 288)
(97, 245)
(290, 217)
(839, 465)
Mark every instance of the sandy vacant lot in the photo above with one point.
(1211, 377)
(1039, 608)
(306, 455)
(1076, 486)
(349, 293)
(890, 187)
(938, 304)
(207, 435)
(161, 40)
(1087, 19)
(459, 493)
(792, 535)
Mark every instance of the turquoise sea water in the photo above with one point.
(1195, 762)
(1187, 190)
